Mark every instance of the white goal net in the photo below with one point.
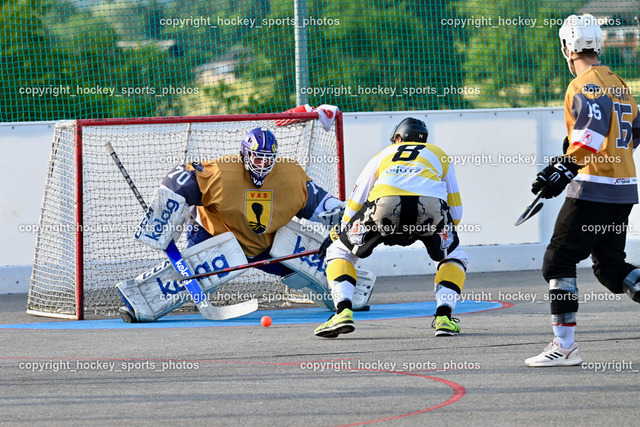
(85, 242)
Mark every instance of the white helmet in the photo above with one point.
(580, 34)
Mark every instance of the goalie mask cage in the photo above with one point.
(84, 243)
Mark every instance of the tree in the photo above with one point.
(516, 63)
(384, 59)
(30, 67)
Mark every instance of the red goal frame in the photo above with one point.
(81, 123)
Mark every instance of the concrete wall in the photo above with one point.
(496, 155)
(23, 166)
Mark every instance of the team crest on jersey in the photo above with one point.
(258, 206)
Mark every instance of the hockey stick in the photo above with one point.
(207, 310)
(532, 209)
(252, 264)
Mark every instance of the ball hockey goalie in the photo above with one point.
(235, 209)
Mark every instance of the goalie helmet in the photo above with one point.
(580, 34)
(410, 129)
(259, 150)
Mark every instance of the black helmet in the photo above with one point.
(410, 129)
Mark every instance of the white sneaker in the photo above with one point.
(554, 355)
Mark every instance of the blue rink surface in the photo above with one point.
(279, 317)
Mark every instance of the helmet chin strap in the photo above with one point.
(572, 67)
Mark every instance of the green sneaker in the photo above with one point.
(446, 326)
(337, 324)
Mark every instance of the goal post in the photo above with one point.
(84, 240)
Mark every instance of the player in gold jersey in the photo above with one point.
(251, 195)
(603, 130)
(406, 193)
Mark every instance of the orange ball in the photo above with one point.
(265, 321)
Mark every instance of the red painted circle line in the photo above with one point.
(458, 390)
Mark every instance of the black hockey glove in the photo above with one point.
(332, 237)
(555, 177)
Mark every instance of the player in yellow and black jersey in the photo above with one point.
(407, 193)
(603, 130)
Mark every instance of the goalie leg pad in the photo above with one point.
(321, 295)
(159, 291)
(317, 292)
(293, 238)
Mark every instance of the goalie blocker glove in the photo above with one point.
(164, 219)
(555, 177)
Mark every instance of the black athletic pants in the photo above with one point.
(586, 228)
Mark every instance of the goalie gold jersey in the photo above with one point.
(393, 171)
(225, 199)
(603, 128)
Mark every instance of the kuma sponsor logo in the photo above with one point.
(173, 287)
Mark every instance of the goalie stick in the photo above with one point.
(207, 310)
(252, 264)
(532, 209)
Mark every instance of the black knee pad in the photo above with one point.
(563, 295)
(563, 301)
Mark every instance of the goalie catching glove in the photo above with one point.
(555, 177)
(333, 213)
(164, 219)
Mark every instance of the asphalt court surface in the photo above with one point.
(391, 371)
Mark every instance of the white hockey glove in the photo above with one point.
(164, 220)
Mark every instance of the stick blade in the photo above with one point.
(528, 213)
(212, 312)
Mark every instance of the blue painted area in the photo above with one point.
(279, 317)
